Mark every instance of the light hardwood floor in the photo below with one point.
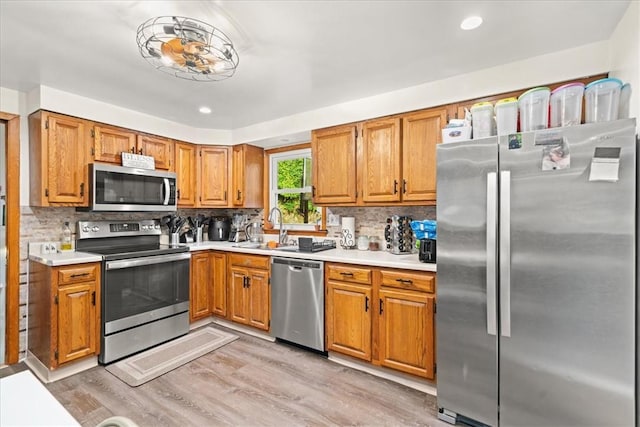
(249, 382)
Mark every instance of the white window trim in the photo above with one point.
(273, 178)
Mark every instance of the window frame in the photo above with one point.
(271, 158)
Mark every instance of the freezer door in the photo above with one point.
(466, 329)
(567, 284)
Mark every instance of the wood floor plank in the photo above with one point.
(249, 382)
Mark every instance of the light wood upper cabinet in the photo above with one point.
(247, 176)
(64, 312)
(381, 174)
(161, 149)
(185, 168)
(213, 167)
(109, 143)
(333, 152)
(199, 286)
(421, 133)
(219, 284)
(59, 151)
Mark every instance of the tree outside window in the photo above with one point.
(290, 185)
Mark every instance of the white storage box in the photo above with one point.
(460, 133)
(507, 116)
(482, 120)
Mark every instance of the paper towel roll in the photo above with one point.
(348, 235)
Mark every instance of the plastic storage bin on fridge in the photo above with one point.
(454, 134)
(602, 99)
(566, 105)
(625, 98)
(534, 109)
(482, 120)
(507, 116)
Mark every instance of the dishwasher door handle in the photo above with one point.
(295, 268)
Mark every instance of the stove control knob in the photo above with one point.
(157, 226)
(144, 227)
(85, 228)
(95, 228)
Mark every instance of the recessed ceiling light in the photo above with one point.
(471, 23)
(205, 110)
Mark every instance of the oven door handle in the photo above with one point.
(138, 262)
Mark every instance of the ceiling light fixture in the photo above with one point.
(205, 110)
(471, 23)
(187, 48)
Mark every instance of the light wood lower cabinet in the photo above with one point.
(249, 293)
(200, 286)
(348, 314)
(219, 284)
(384, 316)
(64, 312)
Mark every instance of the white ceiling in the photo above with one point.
(295, 56)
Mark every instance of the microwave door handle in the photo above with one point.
(166, 187)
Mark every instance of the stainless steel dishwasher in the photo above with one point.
(297, 301)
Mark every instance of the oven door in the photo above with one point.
(136, 291)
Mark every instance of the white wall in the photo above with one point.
(625, 55)
(15, 102)
(563, 65)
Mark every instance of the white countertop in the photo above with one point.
(352, 256)
(65, 258)
(348, 256)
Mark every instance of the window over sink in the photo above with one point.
(290, 189)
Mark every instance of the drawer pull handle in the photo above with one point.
(405, 281)
(346, 273)
(79, 275)
(381, 306)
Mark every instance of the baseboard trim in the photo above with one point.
(48, 376)
(398, 377)
(243, 329)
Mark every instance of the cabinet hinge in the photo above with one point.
(448, 118)
(55, 354)
(93, 151)
(46, 192)
(435, 368)
(55, 299)
(46, 124)
(435, 308)
(93, 133)
(269, 281)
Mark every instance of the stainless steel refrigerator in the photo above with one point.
(537, 278)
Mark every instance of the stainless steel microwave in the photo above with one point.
(118, 188)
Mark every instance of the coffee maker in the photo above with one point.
(219, 228)
(399, 235)
(238, 225)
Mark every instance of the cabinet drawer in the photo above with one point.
(77, 274)
(250, 261)
(347, 273)
(421, 281)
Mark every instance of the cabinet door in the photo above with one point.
(161, 149)
(259, 301)
(237, 176)
(186, 173)
(76, 321)
(212, 174)
(406, 332)
(66, 160)
(247, 176)
(199, 286)
(348, 319)
(238, 295)
(381, 178)
(219, 284)
(421, 133)
(109, 143)
(334, 165)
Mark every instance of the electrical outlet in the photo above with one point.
(53, 247)
(44, 248)
(49, 248)
(333, 220)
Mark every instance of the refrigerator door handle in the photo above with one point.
(492, 195)
(505, 253)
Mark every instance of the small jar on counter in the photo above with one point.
(374, 243)
(363, 243)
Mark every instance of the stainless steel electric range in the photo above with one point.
(145, 285)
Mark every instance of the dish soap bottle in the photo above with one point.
(66, 237)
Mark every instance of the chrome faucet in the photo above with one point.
(282, 237)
